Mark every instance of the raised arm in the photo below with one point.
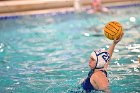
(111, 49)
(112, 46)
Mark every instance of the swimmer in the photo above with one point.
(98, 63)
(97, 7)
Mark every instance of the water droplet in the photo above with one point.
(107, 46)
(86, 34)
(1, 50)
(116, 50)
(136, 69)
(132, 19)
(17, 83)
(7, 67)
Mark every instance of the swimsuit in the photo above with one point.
(87, 86)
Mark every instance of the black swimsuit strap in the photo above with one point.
(90, 73)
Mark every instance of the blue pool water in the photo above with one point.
(49, 53)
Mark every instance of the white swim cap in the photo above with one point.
(101, 57)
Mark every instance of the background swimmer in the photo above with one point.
(97, 7)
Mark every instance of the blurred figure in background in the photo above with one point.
(77, 6)
(97, 7)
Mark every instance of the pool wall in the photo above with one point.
(14, 9)
(28, 5)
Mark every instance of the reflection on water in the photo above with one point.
(49, 54)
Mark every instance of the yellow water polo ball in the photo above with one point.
(113, 30)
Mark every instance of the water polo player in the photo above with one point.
(98, 63)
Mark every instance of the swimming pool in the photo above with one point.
(49, 53)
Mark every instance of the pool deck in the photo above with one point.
(20, 7)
